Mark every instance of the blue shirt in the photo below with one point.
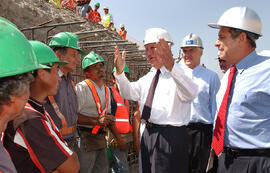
(248, 112)
(203, 107)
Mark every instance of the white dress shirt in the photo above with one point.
(173, 94)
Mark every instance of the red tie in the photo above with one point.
(218, 138)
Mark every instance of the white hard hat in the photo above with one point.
(192, 40)
(122, 26)
(105, 7)
(264, 53)
(153, 35)
(242, 18)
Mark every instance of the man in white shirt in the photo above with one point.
(164, 140)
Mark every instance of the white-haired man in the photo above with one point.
(164, 95)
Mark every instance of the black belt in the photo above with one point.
(152, 125)
(246, 152)
(86, 129)
(199, 125)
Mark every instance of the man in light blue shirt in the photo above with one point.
(247, 125)
(203, 107)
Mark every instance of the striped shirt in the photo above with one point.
(34, 142)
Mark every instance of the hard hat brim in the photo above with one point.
(217, 26)
(81, 52)
(214, 25)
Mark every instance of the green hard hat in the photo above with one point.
(45, 54)
(16, 53)
(66, 39)
(126, 69)
(6, 20)
(90, 59)
(97, 4)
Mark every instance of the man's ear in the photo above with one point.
(59, 55)
(41, 73)
(242, 37)
(12, 99)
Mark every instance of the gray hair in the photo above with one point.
(14, 85)
(252, 37)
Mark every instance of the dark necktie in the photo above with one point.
(218, 138)
(149, 100)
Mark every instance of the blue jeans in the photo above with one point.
(120, 162)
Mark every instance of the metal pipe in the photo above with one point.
(90, 32)
(103, 41)
(112, 50)
(133, 51)
(105, 45)
(47, 34)
(53, 25)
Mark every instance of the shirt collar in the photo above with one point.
(163, 70)
(60, 73)
(246, 62)
(197, 68)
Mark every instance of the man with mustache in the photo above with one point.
(94, 116)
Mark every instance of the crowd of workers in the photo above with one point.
(84, 9)
(186, 119)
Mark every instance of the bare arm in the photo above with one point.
(136, 129)
(103, 121)
(71, 165)
(120, 141)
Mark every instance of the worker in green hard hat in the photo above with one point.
(17, 59)
(63, 105)
(94, 115)
(35, 125)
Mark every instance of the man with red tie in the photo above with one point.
(241, 137)
(164, 95)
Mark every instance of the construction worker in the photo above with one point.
(120, 110)
(42, 148)
(241, 137)
(107, 19)
(55, 2)
(82, 7)
(203, 107)
(163, 94)
(94, 14)
(63, 106)
(122, 32)
(94, 116)
(112, 28)
(16, 63)
(223, 64)
(69, 4)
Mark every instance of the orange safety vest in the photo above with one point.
(47, 117)
(123, 34)
(71, 2)
(98, 103)
(122, 113)
(94, 16)
(65, 130)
